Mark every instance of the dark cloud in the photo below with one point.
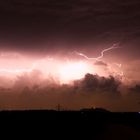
(100, 63)
(25, 94)
(91, 91)
(101, 84)
(135, 89)
(42, 21)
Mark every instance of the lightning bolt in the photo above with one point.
(36, 64)
(114, 46)
(33, 66)
(19, 70)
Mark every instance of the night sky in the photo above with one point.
(37, 28)
(81, 22)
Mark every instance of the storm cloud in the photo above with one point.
(90, 91)
(38, 28)
(52, 22)
(100, 63)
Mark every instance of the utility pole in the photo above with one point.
(58, 107)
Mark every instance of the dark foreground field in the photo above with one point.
(74, 124)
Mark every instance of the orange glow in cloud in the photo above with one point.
(74, 70)
(62, 70)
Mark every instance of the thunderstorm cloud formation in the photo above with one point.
(90, 91)
(75, 53)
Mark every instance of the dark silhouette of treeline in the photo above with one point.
(87, 123)
(90, 115)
